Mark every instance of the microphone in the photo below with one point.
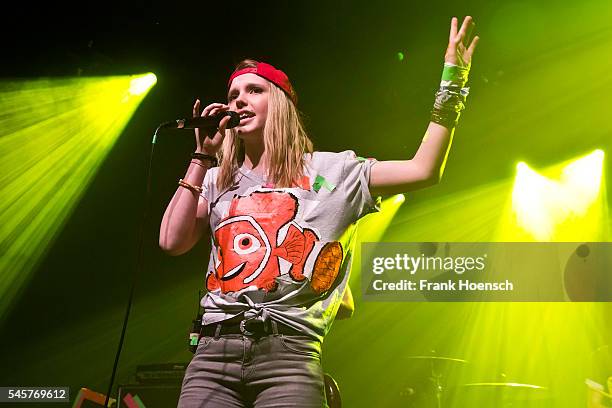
(207, 123)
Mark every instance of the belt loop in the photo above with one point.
(274, 328)
(217, 331)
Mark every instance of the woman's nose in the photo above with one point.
(240, 102)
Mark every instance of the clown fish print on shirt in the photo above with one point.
(259, 230)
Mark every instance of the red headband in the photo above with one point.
(267, 71)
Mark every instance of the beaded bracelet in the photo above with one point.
(191, 187)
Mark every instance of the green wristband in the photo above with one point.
(455, 74)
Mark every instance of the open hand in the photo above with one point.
(460, 45)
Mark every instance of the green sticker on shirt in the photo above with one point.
(321, 182)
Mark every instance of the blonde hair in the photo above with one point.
(285, 142)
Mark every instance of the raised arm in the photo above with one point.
(427, 165)
(186, 217)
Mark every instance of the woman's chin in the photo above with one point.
(246, 133)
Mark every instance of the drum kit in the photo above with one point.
(435, 391)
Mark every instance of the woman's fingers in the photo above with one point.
(196, 108)
(470, 51)
(453, 29)
(211, 142)
(207, 110)
(223, 124)
(215, 111)
(196, 113)
(464, 27)
(468, 35)
(463, 33)
(461, 45)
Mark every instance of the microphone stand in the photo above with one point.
(143, 223)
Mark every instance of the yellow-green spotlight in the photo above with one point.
(531, 196)
(373, 227)
(583, 178)
(563, 200)
(399, 199)
(49, 159)
(142, 83)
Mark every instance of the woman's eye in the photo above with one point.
(246, 244)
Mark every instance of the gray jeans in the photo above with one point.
(239, 371)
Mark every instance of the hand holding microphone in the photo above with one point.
(215, 116)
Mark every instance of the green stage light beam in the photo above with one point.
(55, 134)
(466, 216)
(371, 229)
(544, 344)
(563, 203)
(504, 342)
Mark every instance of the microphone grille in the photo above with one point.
(234, 119)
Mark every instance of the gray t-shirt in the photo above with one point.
(285, 253)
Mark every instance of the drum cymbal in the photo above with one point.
(439, 359)
(507, 390)
(436, 366)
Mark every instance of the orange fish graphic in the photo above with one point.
(326, 267)
(249, 242)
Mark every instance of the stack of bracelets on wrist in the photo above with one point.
(206, 158)
(191, 187)
(450, 98)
